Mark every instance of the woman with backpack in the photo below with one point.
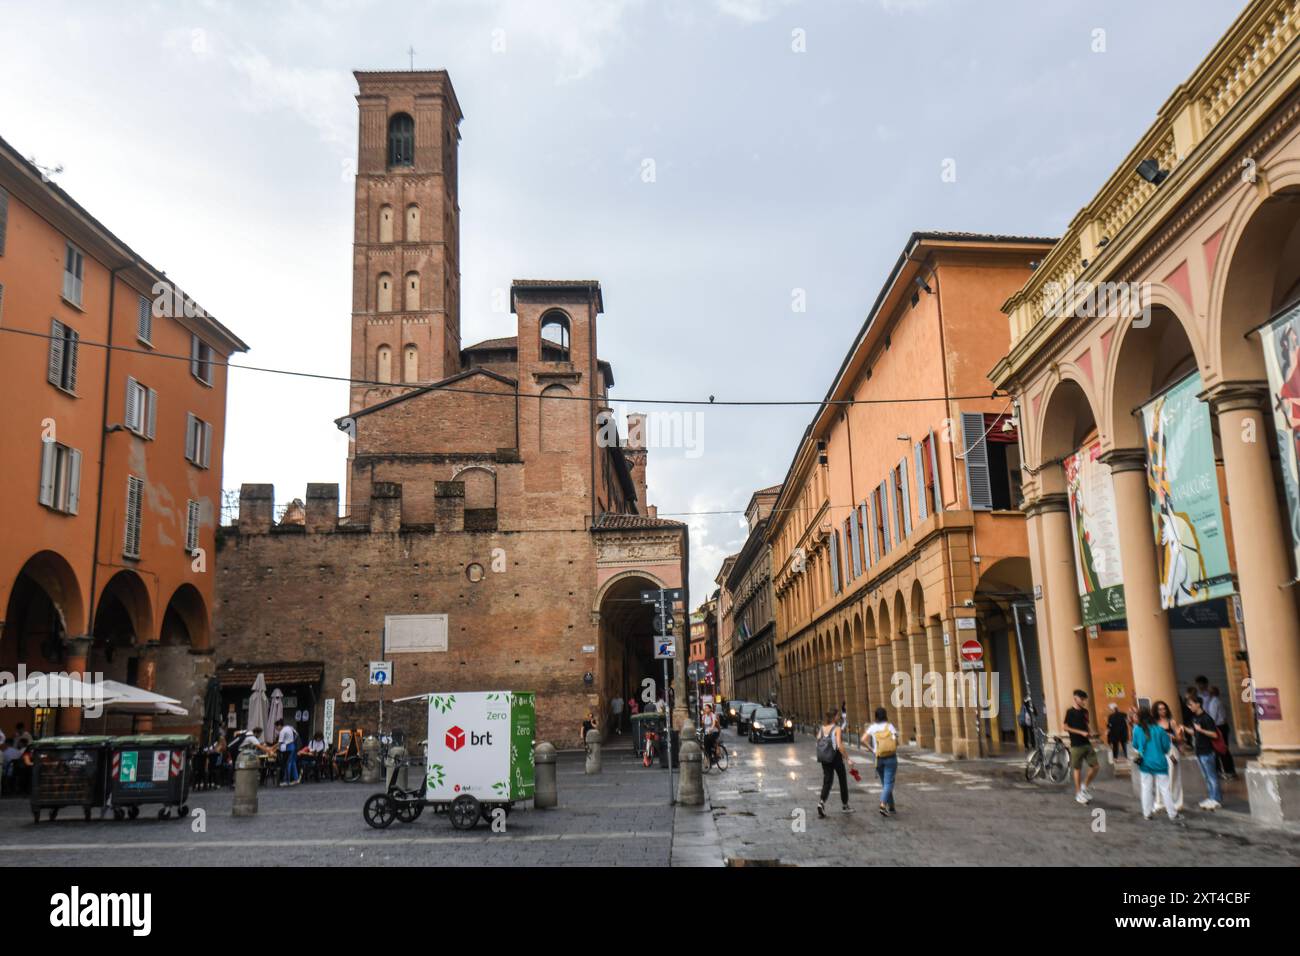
(1150, 745)
(882, 738)
(833, 757)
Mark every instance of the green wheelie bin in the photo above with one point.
(150, 768)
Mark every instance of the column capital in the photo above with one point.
(1125, 459)
(1236, 396)
(78, 645)
(1045, 504)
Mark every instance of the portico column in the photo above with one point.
(942, 723)
(851, 680)
(919, 655)
(1064, 630)
(861, 700)
(1264, 573)
(903, 663)
(885, 668)
(67, 719)
(1151, 649)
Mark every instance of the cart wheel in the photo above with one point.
(133, 811)
(86, 812)
(164, 813)
(184, 811)
(409, 812)
(465, 812)
(54, 812)
(488, 810)
(379, 811)
(119, 813)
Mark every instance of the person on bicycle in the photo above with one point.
(712, 730)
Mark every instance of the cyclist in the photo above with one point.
(712, 730)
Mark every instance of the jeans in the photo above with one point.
(290, 754)
(1211, 774)
(829, 772)
(1151, 782)
(886, 769)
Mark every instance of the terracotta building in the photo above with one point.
(753, 611)
(112, 456)
(1157, 346)
(726, 631)
(496, 532)
(898, 534)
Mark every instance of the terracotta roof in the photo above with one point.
(617, 522)
(509, 342)
(279, 674)
(590, 286)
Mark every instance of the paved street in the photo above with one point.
(968, 813)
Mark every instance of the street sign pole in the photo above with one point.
(668, 707)
(663, 602)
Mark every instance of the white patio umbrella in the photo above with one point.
(51, 690)
(276, 712)
(258, 706)
(126, 699)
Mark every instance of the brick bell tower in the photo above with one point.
(406, 246)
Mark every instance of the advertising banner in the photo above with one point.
(481, 743)
(1281, 341)
(1187, 519)
(1096, 542)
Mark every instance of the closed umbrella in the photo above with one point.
(258, 705)
(212, 716)
(276, 712)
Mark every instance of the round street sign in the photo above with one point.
(971, 651)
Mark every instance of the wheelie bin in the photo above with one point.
(68, 772)
(150, 768)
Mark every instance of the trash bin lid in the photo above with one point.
(154, 740)
(69, 740)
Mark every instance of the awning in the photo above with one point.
(239, 675)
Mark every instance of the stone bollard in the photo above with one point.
(370, 768)
(690, 791)
(545, 794)
(247, 770)
(396, 754)
(593, 751)
(1105, 762)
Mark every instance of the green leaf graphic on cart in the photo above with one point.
(443, 702)
(501, 787)
(436, 775)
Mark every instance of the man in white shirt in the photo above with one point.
(287, 745)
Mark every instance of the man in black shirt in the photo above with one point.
(1205, 732)
(1081, 752)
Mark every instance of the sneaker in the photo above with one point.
(1146, 816)
(1081, 799)
(1213, 805)
(1205, 804)
(846, 809)
(893, 809)
(884, 811)
(1086, 792)
(821, 810)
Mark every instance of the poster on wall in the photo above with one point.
(1281, 341)
(1096, 542)
(1187, 519)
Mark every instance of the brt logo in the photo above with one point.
(456, 739)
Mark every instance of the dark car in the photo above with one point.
(731, 712)
(767, 723)
(743, 714)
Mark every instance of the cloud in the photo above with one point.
(321, 98)
(582, 34)
(752, 11)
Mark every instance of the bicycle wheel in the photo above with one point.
(722, 759)
(1058, 765)
(1034, 766)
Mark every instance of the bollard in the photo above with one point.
(593, 751)
(246, 773)
(370, 768)
(396, 754)
(545, 795)
(690, 790)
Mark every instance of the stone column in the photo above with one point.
(861, 705)
(1150, 647)
(906, 719)
(885, 668)
(851, 681)
(926, 732)
(1264, 576)
(147, 675)
(67, 720)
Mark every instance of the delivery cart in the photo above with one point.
(68, 772)
(479, 760)
(150, 768)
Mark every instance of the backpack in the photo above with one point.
(886, 743)
(826, 750)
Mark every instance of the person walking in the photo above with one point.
(1150, 745)
(1081, 752)
(833, 758)
(1165, 718)
(287, 744)
(1028, 718)
(1116, 732)
(1218, 712)
(882, 738)
(1204, 736)
(616, 713)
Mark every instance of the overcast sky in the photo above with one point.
(218, 139)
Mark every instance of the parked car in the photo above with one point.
(768, 723)
(743, 715)
(731, 712)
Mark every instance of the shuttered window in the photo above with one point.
(864, 519)
(141, 408)
(919, 453)
(144, 321)
(979, 491)
(200, 360)
(131, 532)
(74, 267)
(60, 487)
(62, 367)
(4, 219)
(198, 440)
(854, 545)
(905, 498)
(192, 526)
(835, 562)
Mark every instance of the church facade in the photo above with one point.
(495, 531)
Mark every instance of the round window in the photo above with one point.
(474, 572)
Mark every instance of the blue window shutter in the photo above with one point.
(886, 538)
(979, 491)
(895, 532)
(856, 562)
(907, 497)
(921, 511)
(866, 536)
(835, 561)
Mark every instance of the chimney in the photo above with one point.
(386, 506)
(256, 508)
(449, 505)
(322, 508)
(636, 454)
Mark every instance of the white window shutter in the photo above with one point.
(54, 372)
(74, 480)
(150, 413)
(49, 454)
(891, 511)
(907, 498)
(194, 356)
(134, 420)
(191, 450)
(207, 444)
(835, 561)
(856, 562)
(934, 465)
(979, 490)
(921, 511)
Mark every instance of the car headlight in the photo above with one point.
(789, 723)
(732, 713)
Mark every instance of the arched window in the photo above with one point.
(411, 290)
(554, 416)
(384, 364)
(385, 298)
(411, 364)
(385, 223)
(412, 223)
(555, 333)
(480, 488)
(401, 140)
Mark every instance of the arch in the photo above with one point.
(53, 575)
(410, 363)
(917, 609)
(1068, 415)
(480, 487)
(555, 415)
(384, 364)
(385, 223)
(899, 619)
(625, 652)
(883, 633)
(412, 233)
(384, 293)
(554, 331)
(858, 640)
(185, 622)
(401, 140)
(411, 292)
(124, 613)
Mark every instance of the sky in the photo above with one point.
(714, 163)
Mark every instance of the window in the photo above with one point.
(410, 364)
(62, 371)
(74, 265)
(902, 501)
(192, 514)
(864, 522)
(200, 360)
(144, 321)
(60, 477)
(412, 292)
(930, 498)
(131, 528)
(835, 562)
(198, 440)
(1003, 451)
(979, 494)
(141, 408)
(384, 363)
(4, 218)
(555, 333)
(385, 223)
(412, 223)
(401, 140)
(385, 296)
(879, 507)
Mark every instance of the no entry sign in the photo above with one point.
(972, 656)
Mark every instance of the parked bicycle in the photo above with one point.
(651, 748)
(1052, 762)
(720, 757)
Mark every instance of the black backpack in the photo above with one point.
(826, 749)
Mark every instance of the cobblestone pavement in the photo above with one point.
(620, 818)
(968, 812)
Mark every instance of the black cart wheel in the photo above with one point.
(133, 811)
(409, 812)
(184, 811)
(119, 813)
(164, 813)
(86, 812)
(36, 816)
(465, 811)
(54, 812)
(379, 811)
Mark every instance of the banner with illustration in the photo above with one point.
(1096, 541)
(1281, 341)
(1186, 514)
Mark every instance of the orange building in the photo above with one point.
(897, 536)
(112, 456)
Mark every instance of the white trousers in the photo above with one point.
(1151, 782)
